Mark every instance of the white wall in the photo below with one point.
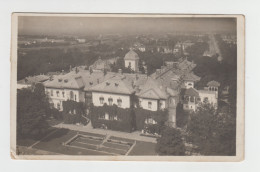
(134, 64)
(125, 99)
(212, 97)
(59, 99)
(144, 104)
(189, 106)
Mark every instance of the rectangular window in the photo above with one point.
(75, 97)
(63, 94)
(149, 105)
(106, 116)
(58, 93)
(51, 92)
(101, 99)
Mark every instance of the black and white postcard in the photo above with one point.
(127, 87)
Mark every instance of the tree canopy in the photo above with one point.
(170, 142)
(213, 132)
(32, 110)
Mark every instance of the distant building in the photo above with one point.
(81, 40)
(132, 60)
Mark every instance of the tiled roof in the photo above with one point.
(34, 79)
(153, 89)
(131, 55)
(191, 92)
(116, 84)
(213, 84)
(191, 77)
(70, 80)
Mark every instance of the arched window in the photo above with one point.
(71, 95)
(110, 101)
(119, 102)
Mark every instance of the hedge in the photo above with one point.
(125, 118)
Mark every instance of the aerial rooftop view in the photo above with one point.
(126, 86)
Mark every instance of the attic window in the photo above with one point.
(90, 83)
(65, 80)
(107, 83)
(60, 80)
(116, 84)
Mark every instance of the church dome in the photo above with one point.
(131, 55)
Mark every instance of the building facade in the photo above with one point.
(165, 89)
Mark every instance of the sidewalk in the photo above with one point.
(134, 135)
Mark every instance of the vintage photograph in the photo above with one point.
(127, 87)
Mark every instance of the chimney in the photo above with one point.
(120, 71)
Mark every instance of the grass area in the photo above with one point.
(29, 140)
(143, 148)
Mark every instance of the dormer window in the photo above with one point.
(60, 80)
(107, 83)
(65, 80)
(116, 84)
(90, 83)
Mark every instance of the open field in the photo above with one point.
(70, 142)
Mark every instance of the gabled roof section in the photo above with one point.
(213, 83)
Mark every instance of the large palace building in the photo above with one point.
(169, 86)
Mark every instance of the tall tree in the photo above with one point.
(170, 142)
(32, 110)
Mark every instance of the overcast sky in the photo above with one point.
(101, 25)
